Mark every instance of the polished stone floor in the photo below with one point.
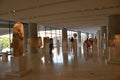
(69, 66)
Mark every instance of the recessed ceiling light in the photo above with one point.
(13, 11)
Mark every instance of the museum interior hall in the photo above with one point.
(59, 39)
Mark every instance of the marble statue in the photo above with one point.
(39, 42)
(75, 35)
(46, 41)
(17, 40)
(75, 43)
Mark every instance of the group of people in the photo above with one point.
(88, 44)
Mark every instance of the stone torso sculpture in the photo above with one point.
(17, 41)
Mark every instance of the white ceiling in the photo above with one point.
(84, 15)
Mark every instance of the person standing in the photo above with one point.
(58, 46)
(72, 43)
(51, 47)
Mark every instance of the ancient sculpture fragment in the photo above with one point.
(17, 40)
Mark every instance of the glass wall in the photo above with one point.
(70, 33)
(5, 36)
(51, 32)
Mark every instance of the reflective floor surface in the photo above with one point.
(69, 66)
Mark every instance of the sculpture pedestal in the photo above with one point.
(114, 52)
(113, 57)
(4, 57)
(75, 46)
(47, 53)
(18, 68)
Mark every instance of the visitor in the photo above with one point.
(58, 47)
(87, 44)
(51, 47)
(72, 43)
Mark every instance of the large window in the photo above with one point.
(50, 32)
(71, 33)
(5, 36)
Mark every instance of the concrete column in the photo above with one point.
(113, 26)
(64, 45)
(33, 37)
(79, 41)
(98, 41)
(33, 42)
(104, 39)
(26, 37)
(64, 40)
(79, 36)
(64, 33)
(114, 38)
